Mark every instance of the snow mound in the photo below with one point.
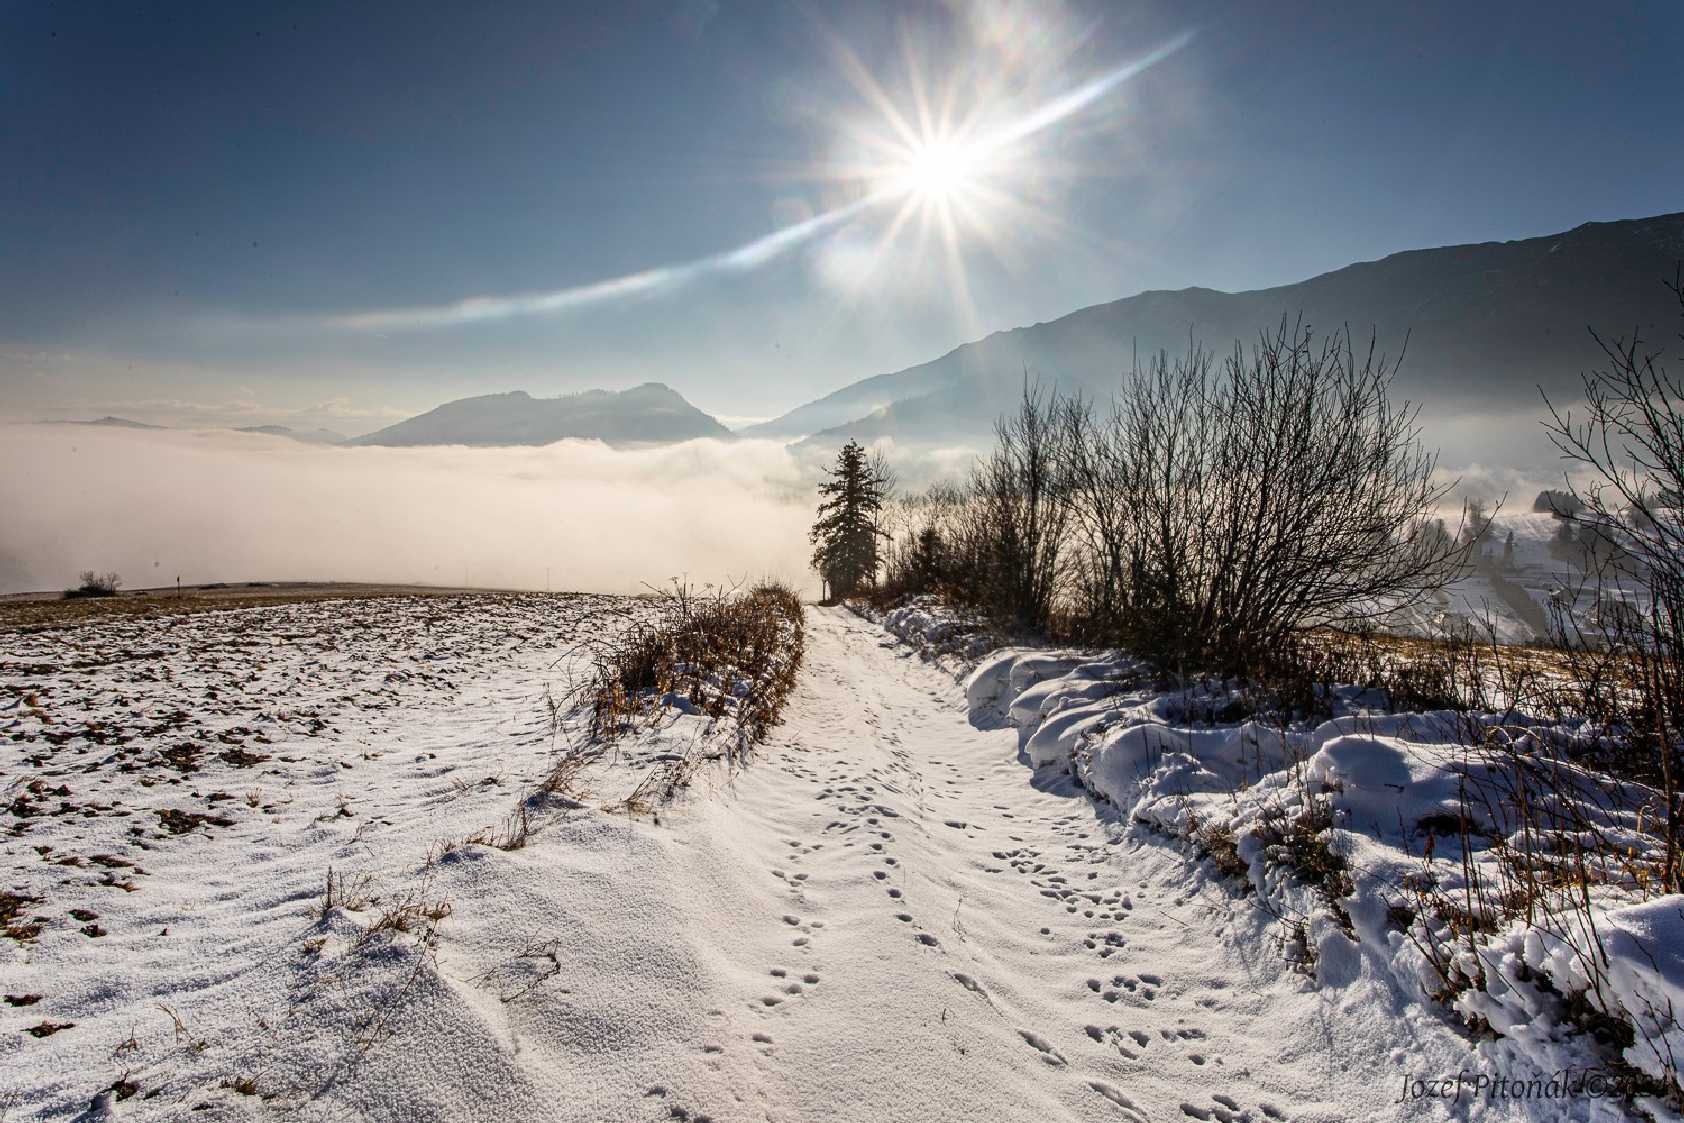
(1362, 831)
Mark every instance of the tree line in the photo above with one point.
(1202, 514)
(1215, 507)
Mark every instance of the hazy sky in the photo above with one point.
(258, 213)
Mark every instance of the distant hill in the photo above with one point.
(648, 414)
(305, 436)
(1486, 324)
(107, 422)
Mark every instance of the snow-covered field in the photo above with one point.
(889, 915)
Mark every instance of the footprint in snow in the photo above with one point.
(1042, 1046)
(1117, 1098)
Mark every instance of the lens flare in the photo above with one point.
(945, 174)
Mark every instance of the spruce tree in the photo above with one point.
(845, 535)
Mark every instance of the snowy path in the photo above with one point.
(978, 948)
(887, 917)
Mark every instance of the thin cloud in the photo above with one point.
(750, 255)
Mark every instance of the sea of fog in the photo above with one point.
(218, 505)
(221, 506)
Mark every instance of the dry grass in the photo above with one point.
(416, 914)
(1551, 825)
(725, 655)
(342, 891)
(1216, 840)
(13, 924)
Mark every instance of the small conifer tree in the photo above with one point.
(846, 534)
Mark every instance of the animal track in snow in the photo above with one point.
(1117, 1098)
(1042, 1046)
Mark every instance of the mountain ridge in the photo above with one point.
(1482, 320)
(647, 414)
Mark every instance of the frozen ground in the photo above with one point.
(889, 916)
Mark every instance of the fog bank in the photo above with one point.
(235, 507)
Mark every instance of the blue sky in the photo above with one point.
(196, 196)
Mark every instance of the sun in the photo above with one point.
(953, 162)
(938, 170)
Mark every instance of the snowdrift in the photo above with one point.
(1379, 840)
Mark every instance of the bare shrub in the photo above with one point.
(1020, 511)
(1280, 493)
(91, 584)
(1211, 514)
(934, 544)
(1629, 441)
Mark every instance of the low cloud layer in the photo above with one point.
(233, 507)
